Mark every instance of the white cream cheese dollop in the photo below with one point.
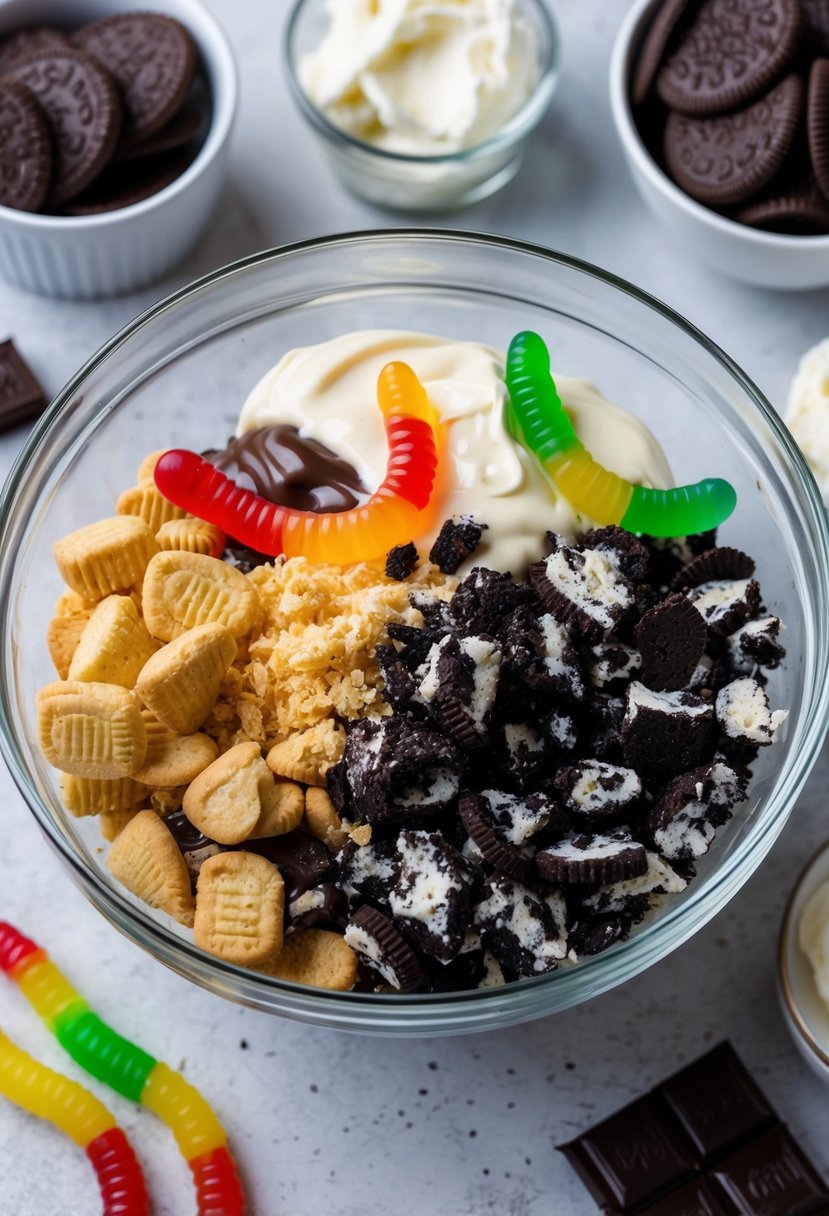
(328, 392)
(807, 412)
(813, 936)
(422, 77)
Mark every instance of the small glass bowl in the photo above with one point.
(402, 182)
(177, 376)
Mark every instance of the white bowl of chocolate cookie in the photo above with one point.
(729, 148)
(116, 126)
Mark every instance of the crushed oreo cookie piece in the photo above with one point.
(713, 565)
(527, 753)
(398, 682)
(725, 604)
(626, 551)
(631, 896)
(561, 660)
(583, 588)
(401, 561)
(593, 935)
(671, 639)
(601, 727)
(433, 609)
(399, 769)
(684, 822)
(431, 897)
(324, 906)
(756, 644)
(744, 715)
(665, 731)
(457, 540)
(562, 730)
(368, 871)
(580, 858)
(414, 644)
(610, 661)
(596, 793)
(484, 600)
(525, 932)
(466, 971)
(375, 941)
(504, 857)
(459, 683)
(518, 817)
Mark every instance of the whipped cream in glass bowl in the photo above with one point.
(422, 105)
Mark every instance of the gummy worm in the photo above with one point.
(366, 532)
(78, 1114)
(548, 433)
(128, 1070)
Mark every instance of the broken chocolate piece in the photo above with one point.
(368, 870)
(611, 661)
(626, 551)
(683, 823)
(583, 588)
(325, 905)
(724, 604)
(755, 645)
(484, 600)
(671, 639)
(457, 540)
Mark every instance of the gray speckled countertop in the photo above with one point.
(459, 1127)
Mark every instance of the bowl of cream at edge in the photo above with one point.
(767, 259)
(801, 963)
(419, 110)
(311, 327)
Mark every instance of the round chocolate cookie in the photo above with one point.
(723, 561)
(802, 210)
(729, 55)
(188, 125)
(153, 58)
(663, 28)
(84, 112)
(25, 149)
(816, 21)
(26, 41)
(671, 639)
(726, 159)
(817, 122)
(122, 185)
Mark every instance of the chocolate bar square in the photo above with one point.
(630, 1158)
(696, 1198)
(716, 1102)
(770, 1176)
(21, 396)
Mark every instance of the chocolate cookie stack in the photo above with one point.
(732, 98)
(101, 118)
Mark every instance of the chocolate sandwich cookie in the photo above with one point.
(525, 932)
(23, 42)
(325, 906)
(26, 156)
(625, 551)
(756, 644)
(460, 684)
(596, 793)
(723, 562)
(663, 732)
(798, 209)
(186, 127)
(401, 561)
(816, 24)
(457, 540)
(375, 941)
(431, 896)
(725, 603)
(83, 109)
(21, 396)
(817, 122)
(153, 59)
(582, 588)
(124, 185)
(368, 871)
(611, 661)
(731, 52)
(583, 858)
(665, 26)
(631, 897)
(684, 821)
(744, 715)
(726, 159)
(671, 640)
(504, 857)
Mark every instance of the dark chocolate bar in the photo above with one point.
(705, 1142)
(21, 396)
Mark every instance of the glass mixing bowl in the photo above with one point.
(178, 375)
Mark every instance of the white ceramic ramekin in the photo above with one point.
(84, 257)
(767, 259)
(805, 1013)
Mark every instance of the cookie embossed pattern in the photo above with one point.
(720, 108)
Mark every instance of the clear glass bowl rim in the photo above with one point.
(431, 1012)
(520, 123)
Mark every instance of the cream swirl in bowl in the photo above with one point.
(328, 391)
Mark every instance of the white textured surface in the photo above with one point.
(322, 1122)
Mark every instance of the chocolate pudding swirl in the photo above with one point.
(282, 466)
